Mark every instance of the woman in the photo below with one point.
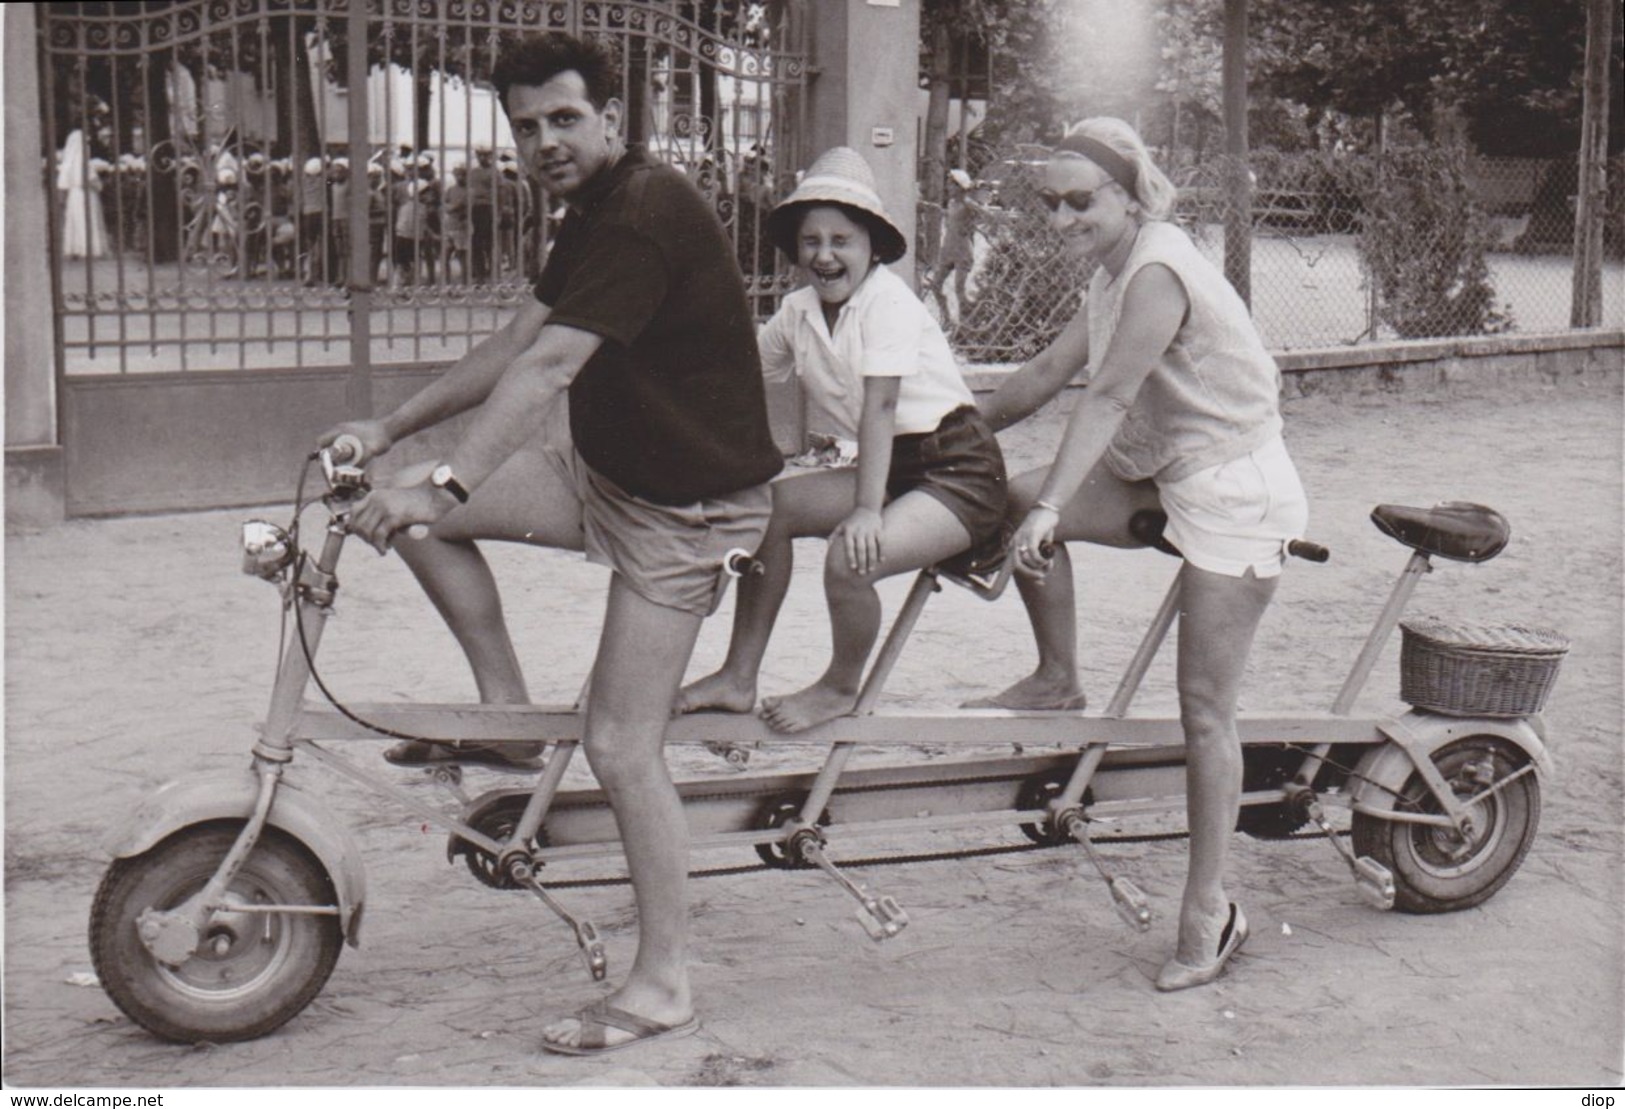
(1182, 409)
(79, 182)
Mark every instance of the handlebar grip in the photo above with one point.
(1311, 552)
(346, 448)
(738, 563)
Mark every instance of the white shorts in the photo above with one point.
(1238, 515)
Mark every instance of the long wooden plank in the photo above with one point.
(965, 727)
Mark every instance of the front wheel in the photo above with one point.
(252, 971)
(1437, 870)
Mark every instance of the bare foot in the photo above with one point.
(1036, 691)
(717, 692)
(808, 708)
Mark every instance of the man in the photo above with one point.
(454, 224)
(967, 199)
(640, 314)
(482, 194)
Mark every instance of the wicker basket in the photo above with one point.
(1478, 669)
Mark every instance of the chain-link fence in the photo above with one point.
(1344, 249)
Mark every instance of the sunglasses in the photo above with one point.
(1076, 199)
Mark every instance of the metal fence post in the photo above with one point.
(1590, 211)
(1238, 218)
(358, 388)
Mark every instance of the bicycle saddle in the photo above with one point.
(1455, 529)
(1146, 526)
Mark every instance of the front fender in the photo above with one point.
(196, 800)
(1382, 773)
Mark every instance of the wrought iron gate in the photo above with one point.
(326, 186)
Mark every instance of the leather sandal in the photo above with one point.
(596, 1020)
(510, 757)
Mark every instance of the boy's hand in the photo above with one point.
(859, 534)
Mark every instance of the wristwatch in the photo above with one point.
(443, 478)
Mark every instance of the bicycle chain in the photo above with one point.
(898, 860)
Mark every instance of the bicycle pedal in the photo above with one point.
(1131, 904)
(1375, 882)
(735, 755)
(592, 949)
(449, 778)
(882, 918)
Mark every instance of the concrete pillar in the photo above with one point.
(864, 96)
(34, 471)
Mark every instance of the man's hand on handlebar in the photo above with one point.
(372, 436)
(387, 511)
(1033, 546)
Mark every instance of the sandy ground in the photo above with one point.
(136, 652)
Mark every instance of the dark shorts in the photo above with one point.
(959, 464)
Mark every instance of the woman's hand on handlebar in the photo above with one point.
(1033, 546)
(371, 434)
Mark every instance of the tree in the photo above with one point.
(1501, 73)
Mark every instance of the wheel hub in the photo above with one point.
(171, 936)
(1446, 850)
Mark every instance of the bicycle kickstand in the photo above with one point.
(586, 933)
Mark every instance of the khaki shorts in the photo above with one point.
(1238, 515)
(672, 555)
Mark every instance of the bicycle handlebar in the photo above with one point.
(1309, 551)
(345, 448)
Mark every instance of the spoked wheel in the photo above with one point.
(1435, 869)
(252, 972)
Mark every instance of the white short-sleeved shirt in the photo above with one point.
(882, 331)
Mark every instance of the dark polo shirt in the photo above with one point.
(671, 406)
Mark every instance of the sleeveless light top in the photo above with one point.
(1214, 394)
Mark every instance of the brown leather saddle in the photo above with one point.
(1455, 529)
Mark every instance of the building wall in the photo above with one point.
(34, 478)
(866, 95)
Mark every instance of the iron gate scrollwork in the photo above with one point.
(203, 167)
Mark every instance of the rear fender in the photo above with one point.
(1383, 771)
(187, 801)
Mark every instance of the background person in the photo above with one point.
(1182, 408)
(79, 184)
(967, 199)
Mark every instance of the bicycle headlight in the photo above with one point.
(267, 550)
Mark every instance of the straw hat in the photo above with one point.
(840, 176)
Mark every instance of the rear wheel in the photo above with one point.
(251, 972)
(1436, 869)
